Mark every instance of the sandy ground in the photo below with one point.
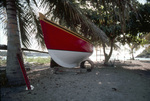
(129, 81)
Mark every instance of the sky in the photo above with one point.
(142, 1)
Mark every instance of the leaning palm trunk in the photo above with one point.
(13, 70)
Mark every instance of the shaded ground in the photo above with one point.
(129, 81)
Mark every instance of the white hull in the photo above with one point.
(68, 59)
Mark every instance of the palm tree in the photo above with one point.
(13, 70)
(19, 20)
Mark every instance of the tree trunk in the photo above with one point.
(13, 70)
(107, 57)
(132, 54)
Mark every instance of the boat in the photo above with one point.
(66, 48)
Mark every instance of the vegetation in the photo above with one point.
(38, 60)
(30, 60)
(2, 62)
(131, 28)
(145, 53)
(111, 17)
(138, 29)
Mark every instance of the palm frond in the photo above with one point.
(28, 24)
(37, 28)
(39, 35)
(72, 15)
(23, 23)
(3, 16)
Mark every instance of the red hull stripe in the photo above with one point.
(59, 38)
(67, 30)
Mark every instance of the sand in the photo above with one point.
(129, 81)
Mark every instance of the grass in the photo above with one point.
(38, 60)
(2, 62)
(31, 60)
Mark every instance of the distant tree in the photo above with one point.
(138, 29)
(111, 17)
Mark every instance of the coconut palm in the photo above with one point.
(20, 19)
(14, 46)
(13, 70)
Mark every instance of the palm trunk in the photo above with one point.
(13, 70)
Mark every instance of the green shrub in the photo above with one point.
(38, 60)
(2, 62)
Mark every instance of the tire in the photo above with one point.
(89, 67)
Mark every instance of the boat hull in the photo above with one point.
(68, 59)
(66, 47)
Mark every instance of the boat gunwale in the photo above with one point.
(42, 17)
